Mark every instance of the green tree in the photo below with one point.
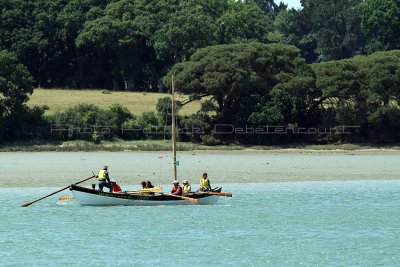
(16, 85)
(83, 66)
(336, 26)
(186, 30)
(380, 22)
(293, 27)
(353, 90)
(243, 22)
(268, 6)
(236, 77)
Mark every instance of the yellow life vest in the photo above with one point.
(102, 175)
(205, 183)
(186, 188)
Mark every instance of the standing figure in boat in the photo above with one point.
(186, 187)
(176, 189)
(104, 179)
(205, 184)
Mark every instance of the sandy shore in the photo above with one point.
(55, 169)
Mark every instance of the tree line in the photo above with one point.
(131, 44)
(254, 63)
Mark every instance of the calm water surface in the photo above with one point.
(346, 214)
(341, 223)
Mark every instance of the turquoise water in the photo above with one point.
(340, 223)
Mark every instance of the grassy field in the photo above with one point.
(136, 102)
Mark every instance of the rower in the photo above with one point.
(115, 187)
(104, 179)
(186, 187)
(176, 189)
(205, 184)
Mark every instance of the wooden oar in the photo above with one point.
(219, 194)
(194, 200)
(30, 203)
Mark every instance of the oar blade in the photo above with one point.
(219, 194)
(194, 200)
(62, 198)
(26, 204)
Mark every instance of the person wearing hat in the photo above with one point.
(115, 187)
(186, 187)
(176, 189)
(104, 179)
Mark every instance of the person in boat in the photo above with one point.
(186, 187)
(149, 185)
(115, 187)
(176, 189)
(104, 179)
(144, 185)
(205, 184)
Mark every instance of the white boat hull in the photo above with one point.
(107, 199)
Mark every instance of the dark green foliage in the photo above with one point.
(243, 23)
(236, 76)
(251, 85)
(15, 84)
(335, 26)
(90, 122)
(194, 128)
(223, 56)
(358, 89)
(149, 125)
(380, 22)
(119, 115)
(15, 87)
(385, 124)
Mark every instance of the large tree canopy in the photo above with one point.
(237, 77)
(363, 91)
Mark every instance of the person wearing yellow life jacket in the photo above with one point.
(186, 187)
(205, 184)
(104, 179)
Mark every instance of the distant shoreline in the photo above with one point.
(164, 145)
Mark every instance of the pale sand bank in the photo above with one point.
(58, 169)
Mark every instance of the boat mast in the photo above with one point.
(174, 126)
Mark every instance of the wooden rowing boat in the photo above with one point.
(92, 197)
(89, 197)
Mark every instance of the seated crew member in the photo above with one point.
(176, 189)
(186, 187)
(149, 185)
(144, 185)
(104, 179)
(115, 187)
(205, 184)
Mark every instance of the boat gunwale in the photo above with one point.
(139, 196)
